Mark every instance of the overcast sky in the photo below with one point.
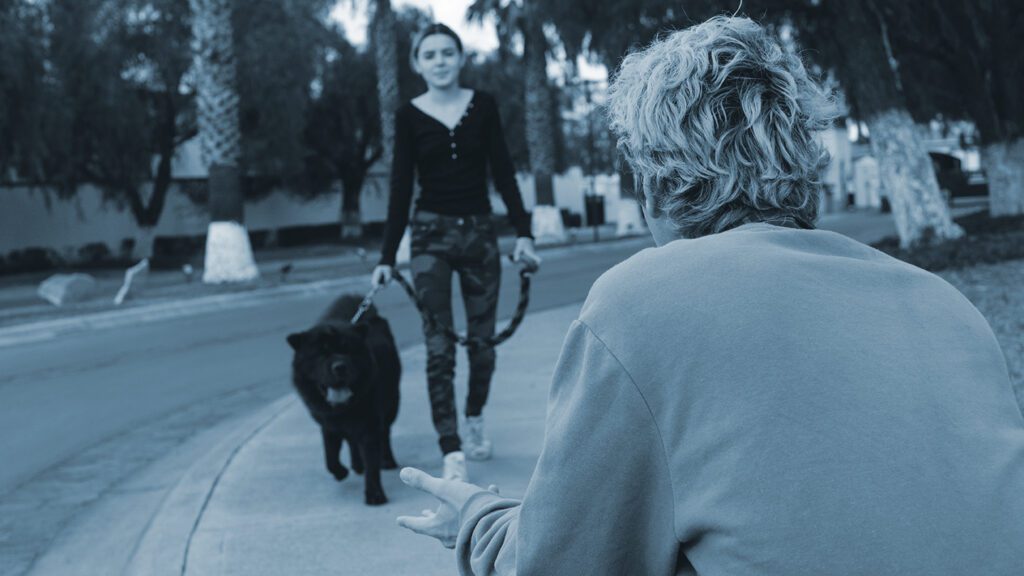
(450, 12)
(481, 38)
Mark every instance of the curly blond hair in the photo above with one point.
(717, 122)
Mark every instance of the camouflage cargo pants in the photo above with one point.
(466, 245)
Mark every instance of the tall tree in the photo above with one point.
(343, 130)
(540, 124)
(22, 88)
(157, 35)
(113, 103)
(524, 20)
(384, 39)
(228, 252)
(848, 37)
(605, 32)
(856, 42)
(961, 59)
(278, 45)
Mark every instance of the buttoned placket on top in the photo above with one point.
(451, 133)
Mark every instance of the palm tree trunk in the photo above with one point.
(539, 123)
(385, 51)
(228, 252)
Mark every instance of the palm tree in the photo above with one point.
(228, 253)
(385, 51)
(523, 18)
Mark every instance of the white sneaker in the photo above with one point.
(476, 445)
(455, 467)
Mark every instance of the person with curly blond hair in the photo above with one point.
(753, 396)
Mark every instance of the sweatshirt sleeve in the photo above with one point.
(400, 197)
(503, 171)
(600, 500)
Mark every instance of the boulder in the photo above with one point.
(61, 289)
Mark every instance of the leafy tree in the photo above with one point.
(853, 40)
(277, 45)
(113, 101)
(848, 38)
(961, 59)
(523, 19)
(343, 130)
(590, 144)
(22, 88)
(501, 73)
(606, 31)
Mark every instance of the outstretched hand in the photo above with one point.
(443, 523)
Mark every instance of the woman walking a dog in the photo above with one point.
(448, 136)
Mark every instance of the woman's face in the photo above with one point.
(439, 61)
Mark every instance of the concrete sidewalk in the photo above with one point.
(273, 509)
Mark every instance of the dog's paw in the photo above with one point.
(339, 472)
(388, 463)
(357, 466)
(376, 497)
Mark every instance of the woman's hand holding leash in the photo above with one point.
(525, 252)
(382, 274)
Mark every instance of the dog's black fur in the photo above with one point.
(358, 367)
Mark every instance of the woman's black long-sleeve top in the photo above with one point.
(452, 167)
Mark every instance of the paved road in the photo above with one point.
(81, 415)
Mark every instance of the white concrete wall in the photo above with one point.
(839, 173)
(867, 183)
(569, 190)
(37, 218)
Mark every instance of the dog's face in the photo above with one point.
(336, 359)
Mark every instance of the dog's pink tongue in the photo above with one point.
(338, 395)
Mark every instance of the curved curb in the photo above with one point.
(43, 330)
(163, 548)
(49, 329)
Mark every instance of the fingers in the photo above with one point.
(420, 480)
(426, 525)
(429, 525)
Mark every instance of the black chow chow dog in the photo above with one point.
(348, 377)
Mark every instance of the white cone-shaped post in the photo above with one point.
(546, 225)
(228, 254)
(629, 223)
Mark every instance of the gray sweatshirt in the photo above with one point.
(768, 401)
